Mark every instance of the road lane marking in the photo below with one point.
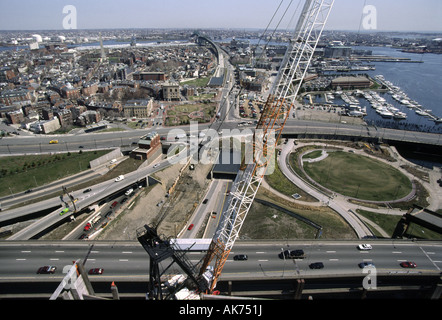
(27, 251)
(396, 252)
(126, 252)
(54, 259)
(260, 252)
(331, 251)
(20, 259)
(333, 259)
(263, 260)
(123, 260)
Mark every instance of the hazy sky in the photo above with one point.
(392, 15)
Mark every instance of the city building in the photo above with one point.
(171, 91)
(149, 76)
(149, 147)
(138, 108)
(350, 83)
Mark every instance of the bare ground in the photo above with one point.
(174, 211)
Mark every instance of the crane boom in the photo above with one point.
(268, 130)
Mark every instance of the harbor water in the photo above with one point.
(421, 82)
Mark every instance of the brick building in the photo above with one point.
(149, 147)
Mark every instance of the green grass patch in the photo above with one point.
(20, 173)
(278, 181)
(200, 82)
(359, 177)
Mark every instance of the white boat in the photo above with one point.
(385, 113)
(421, 113)
(400, 116)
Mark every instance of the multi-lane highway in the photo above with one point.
(40, 144)
(127, 261)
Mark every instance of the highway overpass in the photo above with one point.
(37, 144)
(98, 193)
(264, 274)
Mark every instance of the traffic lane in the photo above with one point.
(340, 261)
(115, 260)
(25, 261)
(204, 212)
(218, 207)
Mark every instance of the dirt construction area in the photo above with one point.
(151, 205)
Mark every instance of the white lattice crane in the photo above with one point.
(268, 130)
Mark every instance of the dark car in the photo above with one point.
(292, 254)
(87, 190)
(46, 269)
(316, 265)
(365, 264)
(408, 264)
(96, 271)
(240, 257)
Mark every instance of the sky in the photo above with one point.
(391, 15)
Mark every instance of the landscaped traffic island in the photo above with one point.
(358, 176)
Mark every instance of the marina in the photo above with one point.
(389, 106)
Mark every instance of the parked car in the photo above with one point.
(240, 257)
(365, 247)
(46, 269)
(316, 265)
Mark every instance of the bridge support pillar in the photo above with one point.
(230, 288)
(299, 286)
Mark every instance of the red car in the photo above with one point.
(190, 227)
(96, 271)
(408, 264)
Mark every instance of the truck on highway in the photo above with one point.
(91, 222)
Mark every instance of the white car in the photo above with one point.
(128, 192)
(365, 247)
(119, 178)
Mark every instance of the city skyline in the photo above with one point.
(99, 14)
